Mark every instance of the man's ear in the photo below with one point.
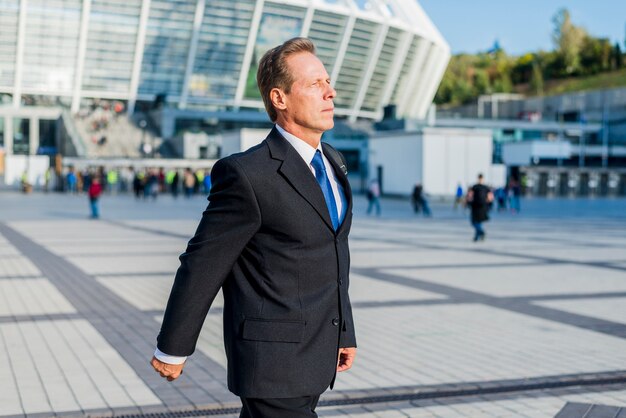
(278, 98)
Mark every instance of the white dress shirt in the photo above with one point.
(307, 153)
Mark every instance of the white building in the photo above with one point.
(438, 158)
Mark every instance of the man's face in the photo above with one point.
(308, 108)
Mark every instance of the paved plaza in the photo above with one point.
(515, 326)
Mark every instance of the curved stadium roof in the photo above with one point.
(203, 53)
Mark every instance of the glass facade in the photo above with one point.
(21, 136)
(9, 15)
(52, 37)
(326, 32)
(51, 45)
(111, 41)
(356, 59)
(381, 72)
(168, 38)
(221, 46)
(278, 23)
(406, 68)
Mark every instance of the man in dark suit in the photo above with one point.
(274, 238)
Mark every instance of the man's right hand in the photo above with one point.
(169, 371)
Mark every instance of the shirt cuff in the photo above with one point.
(166, 358)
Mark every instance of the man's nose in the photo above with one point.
(331, 93)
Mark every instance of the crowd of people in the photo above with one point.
(143, 183)
(99, 114)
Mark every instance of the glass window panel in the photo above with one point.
(111, 40)
(21, 136)
(404, 73)
(51, 44)
(381, 71)
(221, 47)
(355, 61)
(326, 33)
(279, 23)
(168, 36)
(9, 17)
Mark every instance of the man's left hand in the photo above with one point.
(345, 358)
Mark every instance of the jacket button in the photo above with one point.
(336, 322)
(340, 282)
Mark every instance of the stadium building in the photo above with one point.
(202, 55)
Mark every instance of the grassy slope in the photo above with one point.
(596, 82)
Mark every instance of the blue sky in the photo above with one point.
(521, 25)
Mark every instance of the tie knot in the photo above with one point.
(318, 162)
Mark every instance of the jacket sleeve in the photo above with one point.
(347, 337)
(229, 222)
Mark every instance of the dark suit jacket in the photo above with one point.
(267, 240)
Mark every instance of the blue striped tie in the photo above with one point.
(322, 180)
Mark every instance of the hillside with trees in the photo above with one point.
(579, 61)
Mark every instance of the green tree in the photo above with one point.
(617, 59)
(595, 55)
(536, 79)
(481, 82)
(522, 69)
(568, 40)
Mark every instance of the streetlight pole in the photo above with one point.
(142, 125)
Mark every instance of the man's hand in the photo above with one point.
(169, 371)
(345, 358)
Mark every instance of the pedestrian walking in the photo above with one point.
(206, 182)
(373, 197)
(419, 200)
(274, 238)
(175, 184)
(71, 181)
(189, 182)
(94, 193)
(515, 192)
(458, 196)
(479, 198)
(500, 196)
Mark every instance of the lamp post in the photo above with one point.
(142, 125)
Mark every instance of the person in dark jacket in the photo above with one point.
(479, 199)
(274, 239)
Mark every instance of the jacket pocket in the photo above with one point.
(273, 330)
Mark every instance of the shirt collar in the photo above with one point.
(306, 151)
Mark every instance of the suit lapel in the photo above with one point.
(298, 174)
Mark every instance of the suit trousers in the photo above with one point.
(300, 407)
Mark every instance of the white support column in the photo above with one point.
(19, 62)
(396, 68)
(138, 60)
(8, 135)
(247, 57)
(193, 49)
(341, 52)
(407, 91)
(436, 76)
(33, 135)
(422, 84)
(369, 71)
(308, 18)
(80, 57)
